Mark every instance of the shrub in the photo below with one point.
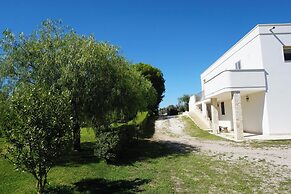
(172, 110)
(112, 141)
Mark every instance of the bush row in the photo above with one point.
(112, 142)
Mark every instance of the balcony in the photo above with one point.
(233, 80)
(199, 96)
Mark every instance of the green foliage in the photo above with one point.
(155, 76)
(172, 110)
(88, 134)
(145, 124)
(3, 108)
(103, 88)
(36, 126)
(183, 103)
(58, 80)
(107, 142)
(115, 140)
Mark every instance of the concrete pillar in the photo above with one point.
(192, 101)
(204, 110)
(237, 115)
(214, 115)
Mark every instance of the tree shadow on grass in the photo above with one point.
(139, 150)
(105, 186)
(101, 186)
(149, 130)
(142, 150)
(60, 189)
(148, 149)
(84, 156)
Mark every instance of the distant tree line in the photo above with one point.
(54, 81)
(182, 106)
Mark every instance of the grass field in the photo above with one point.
(148, 167)
(270, 143)
(194, 131)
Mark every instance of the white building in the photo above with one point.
(249, 87)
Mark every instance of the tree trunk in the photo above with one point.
(40, 186)
(76, 127)
(77, 136)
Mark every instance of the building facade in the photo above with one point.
(248, 89)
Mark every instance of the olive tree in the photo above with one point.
(37, 126)
(55, 56)
(102, 87)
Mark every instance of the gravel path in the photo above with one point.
(171, 129)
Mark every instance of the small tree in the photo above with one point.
(183, 103)
(36, 128)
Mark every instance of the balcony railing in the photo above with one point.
(231, 80)
(199, 96)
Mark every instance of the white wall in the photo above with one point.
(278, 97)
(247, 50)
(192, 105)
(228, 112)
(253, 111)
(231, 80)
(259, 49)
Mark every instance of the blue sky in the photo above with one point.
(181, 37)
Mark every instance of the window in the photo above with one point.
(237, 65)
(287, 53)
(222, 108)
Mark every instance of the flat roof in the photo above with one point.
(255, 27)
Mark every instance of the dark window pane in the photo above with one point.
(222, 108)
(237, 65)
(287, 53)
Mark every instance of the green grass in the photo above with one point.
(12, 181)
(269, 143)
(87, 135)
(148, 167)
(140, 117)
(193, 130)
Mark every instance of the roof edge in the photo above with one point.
(240, 40)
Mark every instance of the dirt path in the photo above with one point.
(171, 129)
